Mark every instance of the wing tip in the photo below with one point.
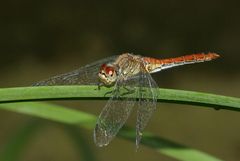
(100, 136)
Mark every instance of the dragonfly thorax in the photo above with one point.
(107, 74)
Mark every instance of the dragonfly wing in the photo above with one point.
(147, 94)
(86, 75)
(115, 113)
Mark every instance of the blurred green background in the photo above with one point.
(40, 39)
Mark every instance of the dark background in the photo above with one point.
(39, 39)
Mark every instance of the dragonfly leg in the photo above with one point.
(100, 84)
(128, 91)
(117, 90)
(110, 92)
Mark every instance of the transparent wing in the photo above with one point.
(86, 75)
(116, 112)
(147, 94)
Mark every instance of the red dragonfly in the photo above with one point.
(125, 71)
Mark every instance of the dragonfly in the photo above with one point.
(125, 72)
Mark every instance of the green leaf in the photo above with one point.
(21, 94)
(68, 116)
(78, 118)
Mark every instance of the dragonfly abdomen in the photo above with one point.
(154, 65)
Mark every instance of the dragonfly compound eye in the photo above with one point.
(109, 71)
(103, 66)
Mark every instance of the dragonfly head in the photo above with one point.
(107, 74)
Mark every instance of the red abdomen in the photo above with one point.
(184, 59)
